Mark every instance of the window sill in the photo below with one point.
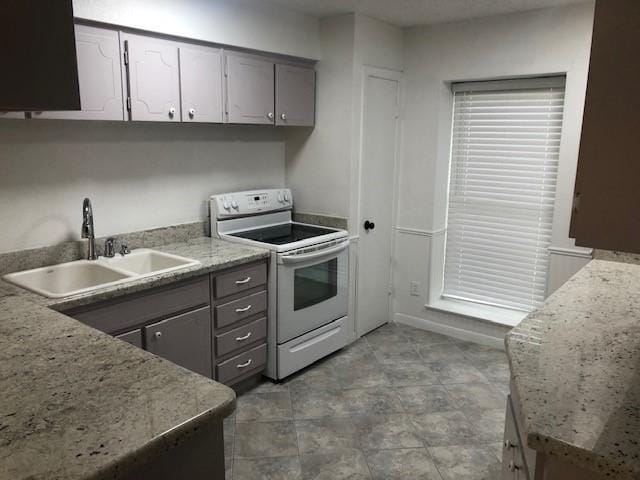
(488, 313)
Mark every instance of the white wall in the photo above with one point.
(240, 23)
(138, 175)
(527, 44)
(322, 164)
(318, 159)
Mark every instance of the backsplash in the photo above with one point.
(322, 220)
(613, 256)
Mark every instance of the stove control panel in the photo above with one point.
(238, 204)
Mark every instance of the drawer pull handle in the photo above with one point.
(513, 467)
(242, 310)
(245, 364)
(245, 337)
(242, 282)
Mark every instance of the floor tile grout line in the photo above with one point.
(295, 431)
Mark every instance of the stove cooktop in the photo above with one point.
(283, 234)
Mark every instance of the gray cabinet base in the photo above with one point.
(198, 455)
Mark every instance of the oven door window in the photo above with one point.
(315, 284)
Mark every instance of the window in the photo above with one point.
(504, 165)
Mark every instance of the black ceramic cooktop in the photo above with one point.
(283, 234)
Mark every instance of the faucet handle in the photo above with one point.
(124, 249)
(110, 247)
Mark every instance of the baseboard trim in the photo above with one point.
(459, 333)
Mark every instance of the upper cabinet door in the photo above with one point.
(99, 76)
(250, 95)
(607, 187)
(295, 95)
(201, 84)
(154, 78)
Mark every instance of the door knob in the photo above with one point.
(369, 225)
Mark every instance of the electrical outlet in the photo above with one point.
(415, 289)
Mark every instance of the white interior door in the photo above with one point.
(380, 137)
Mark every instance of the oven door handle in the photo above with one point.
(305, 257)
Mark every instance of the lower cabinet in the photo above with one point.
(214, 325)
(185, 340)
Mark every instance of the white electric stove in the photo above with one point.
(308, 275)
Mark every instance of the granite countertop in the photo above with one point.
(576, 369)
(79, 404)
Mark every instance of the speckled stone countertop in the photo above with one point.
(576, 369)
(76, 403)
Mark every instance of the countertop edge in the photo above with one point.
(163, 442)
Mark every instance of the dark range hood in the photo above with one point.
(38, 51)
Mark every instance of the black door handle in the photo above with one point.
(369, 225)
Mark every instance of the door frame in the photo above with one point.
(356, 179)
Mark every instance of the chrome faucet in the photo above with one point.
(87, 229)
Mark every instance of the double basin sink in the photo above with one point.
(84, 276)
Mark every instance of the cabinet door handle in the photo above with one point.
(158, 335)
(172, 112)
(283, 116)
(270, 115)
(245, 364)
(245, 309)
(242, 282)
(192, 112)
(244, 337)
(513, 467)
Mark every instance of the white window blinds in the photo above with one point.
(504, 165)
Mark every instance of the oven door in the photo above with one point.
(312, 288)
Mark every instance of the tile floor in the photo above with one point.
(400, 403)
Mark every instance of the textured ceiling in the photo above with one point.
(417, 12)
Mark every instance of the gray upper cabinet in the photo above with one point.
(184, 340)
(99, 76)
(250, 89)
(295, 95)
(153, 78)
(201, 84)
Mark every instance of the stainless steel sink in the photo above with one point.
(83, 276)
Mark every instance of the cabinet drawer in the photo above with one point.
(142, 308)
(240, 280)
(134, 337)
(184, 340)
(250, 361)
(241, 336)
(231, 312)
